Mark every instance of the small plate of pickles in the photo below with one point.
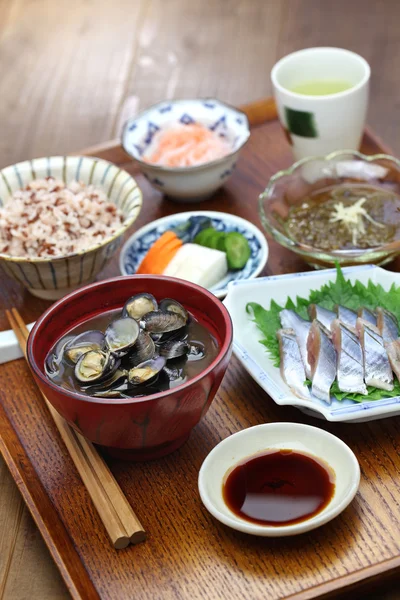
(209, 248)
(343, 207)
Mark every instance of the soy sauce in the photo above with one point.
(278, 487)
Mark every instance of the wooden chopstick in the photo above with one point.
(121, 523)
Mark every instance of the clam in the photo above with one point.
(118, 391)
(143, 350)
(109, 394)
(146, 370)
(171, 305)
(178, 363)
(178, 334)
(174, 373)
(94, 366)
(139, 305)
(55, 356)
(121, 335)
(115, 383)
(155, 385)
(159, 321)
(52, 365)
(156, 337)
(82, 343)
(174, 348)
(197, 351)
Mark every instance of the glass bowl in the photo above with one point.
(308, 176)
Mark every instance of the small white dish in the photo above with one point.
(312, 441)
(136, 247)
(255, 359)
(187, 184)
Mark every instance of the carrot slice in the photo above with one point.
(160, 254)
(158, 266)
(155, 249)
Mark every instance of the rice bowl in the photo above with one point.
(51, 277)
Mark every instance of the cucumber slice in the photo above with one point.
(221, 242)
(217, 240)
(237, 250)
(203, 237)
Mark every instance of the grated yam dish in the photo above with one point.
(49, 218)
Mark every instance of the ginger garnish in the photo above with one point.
(352, 216)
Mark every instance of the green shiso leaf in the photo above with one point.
(341, 291)
(373, 392)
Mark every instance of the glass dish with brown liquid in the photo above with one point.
(345, 217)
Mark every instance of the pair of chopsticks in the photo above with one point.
(121, 523)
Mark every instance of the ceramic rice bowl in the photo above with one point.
(52, 278)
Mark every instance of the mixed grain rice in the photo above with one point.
(49, 218)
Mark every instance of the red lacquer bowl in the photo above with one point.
(137, 428)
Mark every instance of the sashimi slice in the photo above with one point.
(322, 360)
(350, 364)
(388, 325)
(377, 369)
(393, 352)
(323, 315)
(291, 320)
(346, 315)
(367, 315)
(292, 366)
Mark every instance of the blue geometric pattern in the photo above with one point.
(139, 149)
(187, 119)
(217, 116)
(165, 109)
(152, 129)
(220, 124)
(226, 173)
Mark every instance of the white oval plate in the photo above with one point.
(140, 242)
(254, 358)
(295, 436)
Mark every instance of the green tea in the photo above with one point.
(321, 87)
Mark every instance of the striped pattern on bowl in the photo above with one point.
(51, 278)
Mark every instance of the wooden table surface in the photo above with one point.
(72, 72)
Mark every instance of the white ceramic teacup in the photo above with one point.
(319, 124)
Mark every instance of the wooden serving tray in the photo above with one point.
(188, 553)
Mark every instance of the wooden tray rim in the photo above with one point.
(14, 453)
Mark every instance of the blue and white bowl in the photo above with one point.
(187, 183)
(139, 243)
